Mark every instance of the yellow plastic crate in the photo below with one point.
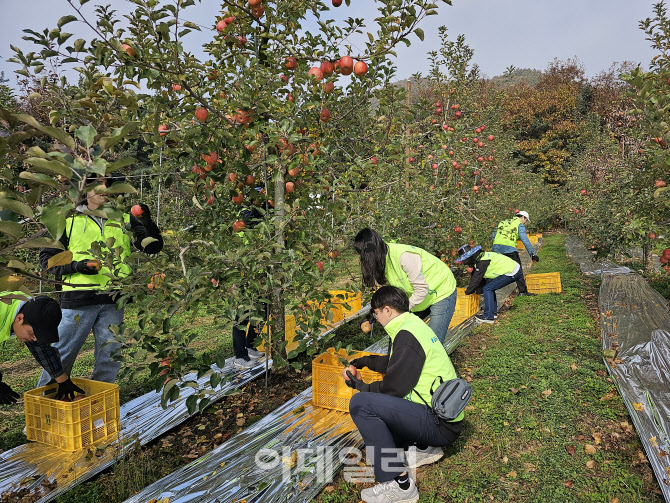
(289, 334)
(533, 241)
(72, 426)
(466, 305)
(328, 387)
(342, 298)
(544, 283)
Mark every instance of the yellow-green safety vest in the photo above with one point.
(500, 264)
(83, 231)
(507, 232)
(8, 314)
(440, 279)
(437, 363)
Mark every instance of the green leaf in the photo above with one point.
(66, 19)
(39, 178)
(203, 403)
(42, 242)
(193, 26)
(12, 229)
(121, 188)
(45, 165)
(86, 135)
(118, 135)
(98, 166)
(147, 241)
(15, 207)
(419, 33)
(191, 403)
(62, 258)
(121, 163)
(54, 217)
(79, 44)
(167, 392)
(56, 133)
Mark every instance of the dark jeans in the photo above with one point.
(243, 337)
(490, 300)
(389, 424)
(521, 282)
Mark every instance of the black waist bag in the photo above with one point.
(449, 399)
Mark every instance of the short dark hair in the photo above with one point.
(44, 315)
(391, 296)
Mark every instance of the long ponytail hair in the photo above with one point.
(372, 250)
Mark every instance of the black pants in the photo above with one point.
(243, 337)
(521, 282)
(389, 424)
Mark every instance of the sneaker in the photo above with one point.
(255, 355)
(481, 319)
(390, 492)
(416, 457)
(527, 294)
(244, 364)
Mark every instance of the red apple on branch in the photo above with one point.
(201, 113)
(346, 65)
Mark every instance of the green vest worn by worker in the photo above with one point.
(8, 314)
(82, 231)
(507, 232)
(500, 264)
(441, 282)
(437, 363)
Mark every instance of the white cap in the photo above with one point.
(523, 214)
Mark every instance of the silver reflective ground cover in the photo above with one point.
(635, 323)
(587, 261)
(143, 419)
(305, 440)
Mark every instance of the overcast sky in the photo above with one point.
(522, 33)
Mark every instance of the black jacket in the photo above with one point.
(73, 299)
(477, 280)
(401, 372)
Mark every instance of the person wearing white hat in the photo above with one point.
(505, 237)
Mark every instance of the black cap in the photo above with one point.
(43, 314)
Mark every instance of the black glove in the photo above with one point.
(7, 394)
(535, 258)
(354, 362)
(83, 268)
(67, 389)
(353, 382)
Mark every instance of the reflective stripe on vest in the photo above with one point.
(83, 231)
(437, 363)
(507, 232)
(500, 264)
(8, 314)
(441, 281)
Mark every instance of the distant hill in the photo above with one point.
(527, 75)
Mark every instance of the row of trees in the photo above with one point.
(317, 138)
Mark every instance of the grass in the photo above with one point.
(545, 423)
